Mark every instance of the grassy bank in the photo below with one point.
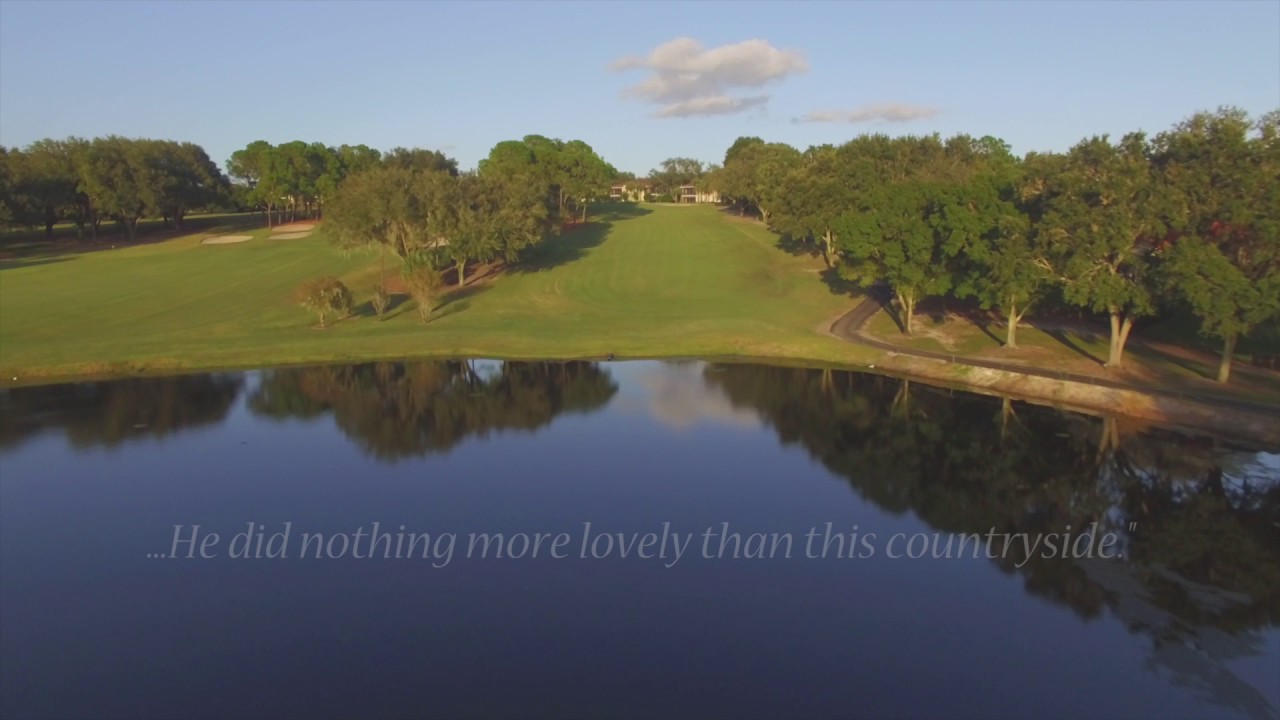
(637, 281)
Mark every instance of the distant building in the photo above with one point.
(691, 194)
(631, 191)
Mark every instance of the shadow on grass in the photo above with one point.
(838, 285)
(22, 262)
(460, 295)
(895, 314)
(571, 245)
(612, 212)
(365, 309)
(451, 308)
(1154, 359)
(1063, 336)
(798, 246)
(34, 244)
(983, 320)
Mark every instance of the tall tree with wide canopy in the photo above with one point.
(583, 174)
(255, 166)
(906, 234)
(817, 193)
(382, 208)
(123, 178)
(186, 179)
(1104, 221)
(1225, 185)
(1006, 262)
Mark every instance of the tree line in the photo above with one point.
(87, 181)
(432, 217)
(1127, 229)
(297, 178)
(84, 182)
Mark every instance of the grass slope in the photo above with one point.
(638, 281)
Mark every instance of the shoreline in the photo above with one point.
(1184, 414)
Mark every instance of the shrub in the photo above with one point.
(323, 296)
(424, 284)
(381, 299)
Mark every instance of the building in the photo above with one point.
(631, 191)
(691, 194)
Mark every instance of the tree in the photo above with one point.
(185, 178)
(1104, 221)
(385, 207)
(902, 235)
(7, 196)
(417, 160)
(756, 174)
(583, 174)
(46, 185)
(818, 193)
(253, 166)
(323, 296)
(425, 285)
(468, 222)
(1006, 263)
(1225, 260)
(124, 180)
(674, 172)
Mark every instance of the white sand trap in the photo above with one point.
(225, 239)
(294, 227)
(290, 235)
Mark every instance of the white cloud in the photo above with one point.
(688, 79)
(712, 105)
(880, 112)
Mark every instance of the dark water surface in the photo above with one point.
(97, 621)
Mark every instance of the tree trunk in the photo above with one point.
(462, 271)
(131, 226)
(584, 213)
(1011, 339)
(908, 302)
(826, 247)
(1228, 351)
(1120, 327)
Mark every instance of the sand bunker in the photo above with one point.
(294, 227)
(290, 235)
(225, 239)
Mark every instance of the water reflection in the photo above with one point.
(1200, 585)
(398, 410)
(112, 412)
(1203, 576)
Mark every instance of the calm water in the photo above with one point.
(96, 620)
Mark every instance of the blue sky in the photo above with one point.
(461, 78)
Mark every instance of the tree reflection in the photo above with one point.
(1202, 572)
(397, 410)
(111, 412)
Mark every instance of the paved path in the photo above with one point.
(849, 327)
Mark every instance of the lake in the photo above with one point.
(638, 539)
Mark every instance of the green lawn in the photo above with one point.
(639, 281)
